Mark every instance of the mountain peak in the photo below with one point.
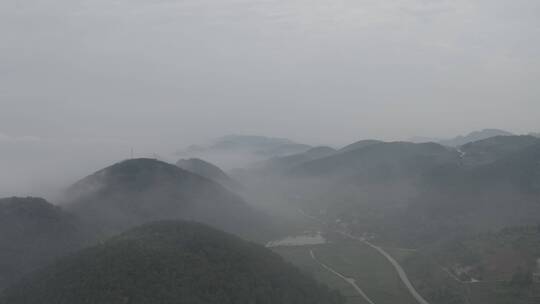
(137, 191)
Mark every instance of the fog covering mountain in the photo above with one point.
(493, 148)
(459, 199)
(444, 201)
(360, 144)
(136, 191)
(284, 163)
(470, 212)
(208, 170)
(33, 232)
(474, 136)
(234, 151)
(88, 83)
(171, 262)
(416, 193)
(379, 160)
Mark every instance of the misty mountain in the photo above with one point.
(493, 148)
(474, 136)
(509, 160)
(464, 199)
(208, 170)
(423, 139)
(520, 169)
(234, 151)
(359, 145)
(315, 153)
(171, 262)
(498, 167)
(266, 146)
(379, 161)
(418, 193)
(285, 163)
(136, 191)
(34, 232)
(367, 186)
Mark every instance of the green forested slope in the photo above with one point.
(171, 262)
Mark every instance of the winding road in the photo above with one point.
(401, 273)
(351, 281)
(399, 269)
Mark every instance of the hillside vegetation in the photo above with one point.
(171, 262)
(136, 191)
(34, 232)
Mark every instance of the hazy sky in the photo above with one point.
(98, 76)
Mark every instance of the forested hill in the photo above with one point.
(137, 191)
(33, 232)
(171, 262)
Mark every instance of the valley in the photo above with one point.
(269, 152)
(372, 223)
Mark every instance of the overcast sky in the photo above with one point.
(98, 76)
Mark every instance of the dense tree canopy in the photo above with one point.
(33, 232)
(171, 262)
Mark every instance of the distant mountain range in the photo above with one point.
(493, 148)
(285, 163)
(359, 145)
(266, 146)
(430, 196)
(423, 139)
(470, 212)
(171, 262)
(236, 151)
(474, 136)
(378, 160)
(462, 139)
(481, 185)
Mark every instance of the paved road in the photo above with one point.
(399, 269)
(351, 281)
